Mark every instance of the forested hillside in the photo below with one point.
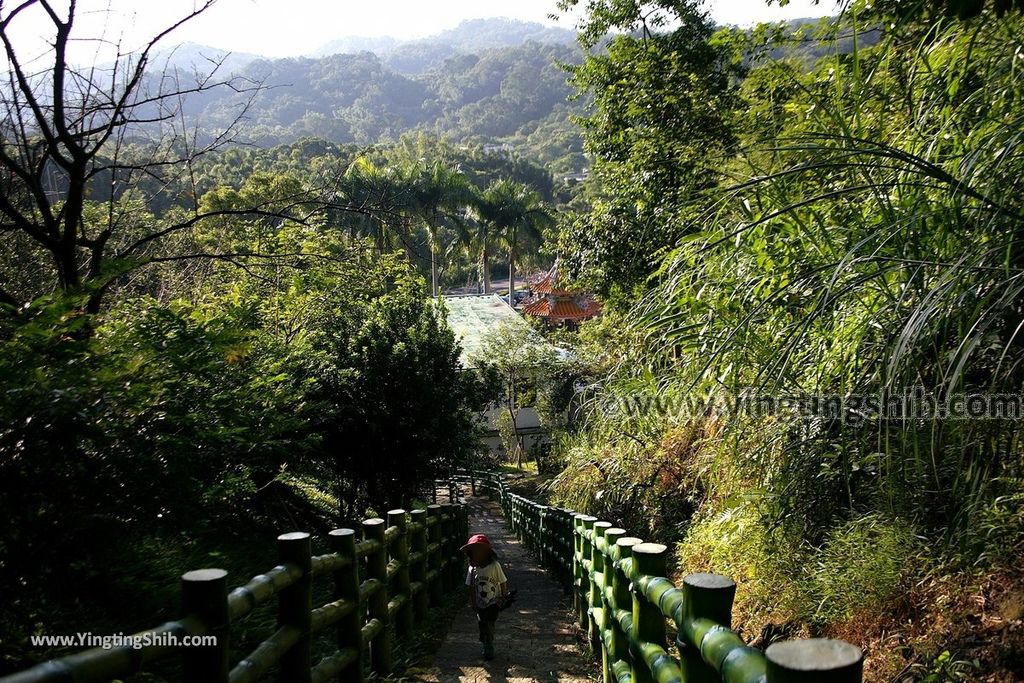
(486, 81)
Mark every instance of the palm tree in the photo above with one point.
(439, 194)
(478, 237)
(380, 195)
(519, 215)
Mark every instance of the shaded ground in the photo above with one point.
(535, 638)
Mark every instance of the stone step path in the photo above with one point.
(535, 638)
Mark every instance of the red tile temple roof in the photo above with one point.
(561, 309)
(547, 283)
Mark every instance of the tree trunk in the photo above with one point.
(433, 268)
(512, 277)
(485, 270)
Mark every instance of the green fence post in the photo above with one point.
(377, 568)
(448, 545)
(566, 547)
(580, 583)
(597, 598)
(434, 565)
(459, 523)
(817, 660)
(544, 533)
(418, 570)
(520, 519)
(648, 622)
(295, 607)
(588, 566)
(400, 554)
(204, 593)
(622, 598)
(530, 526)
(707, 596)
(346, 587)
(513, 518)
(608, 550)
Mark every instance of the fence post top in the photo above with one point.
(293, 536)
(398, 511)
(417, 513)
(373, 521)
(341, 532)
(602, 526)
(649, 549)
(628, 542)
(204, 575)
(708, 581)
(838, 657)
(434, 507)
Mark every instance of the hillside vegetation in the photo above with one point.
(808, 265)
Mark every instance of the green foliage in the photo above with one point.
(867, 566)
(660, 127)
(737, 542)
(300, 389)
(526, 371)
(402, 408)
(866, 247)
(947, 669)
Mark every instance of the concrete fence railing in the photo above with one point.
(383, 583)
(646, 628)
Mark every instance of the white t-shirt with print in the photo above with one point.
(486, 583)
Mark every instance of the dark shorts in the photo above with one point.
(485, 619)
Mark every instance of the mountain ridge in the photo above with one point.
(469, 35)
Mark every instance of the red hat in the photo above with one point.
(476, 539)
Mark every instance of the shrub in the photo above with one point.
(866, 567)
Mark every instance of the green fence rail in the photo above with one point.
(634, 616)
(382, 583)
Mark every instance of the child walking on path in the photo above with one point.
(487, 588)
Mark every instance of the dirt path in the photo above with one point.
(535, 638)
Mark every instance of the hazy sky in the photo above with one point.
(292, 27)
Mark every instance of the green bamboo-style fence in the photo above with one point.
(634, 616)
(382, 583)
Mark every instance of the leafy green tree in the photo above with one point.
(480, 238)
(663, 96)
(522, 361)
(386, 192)
(403, 409)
